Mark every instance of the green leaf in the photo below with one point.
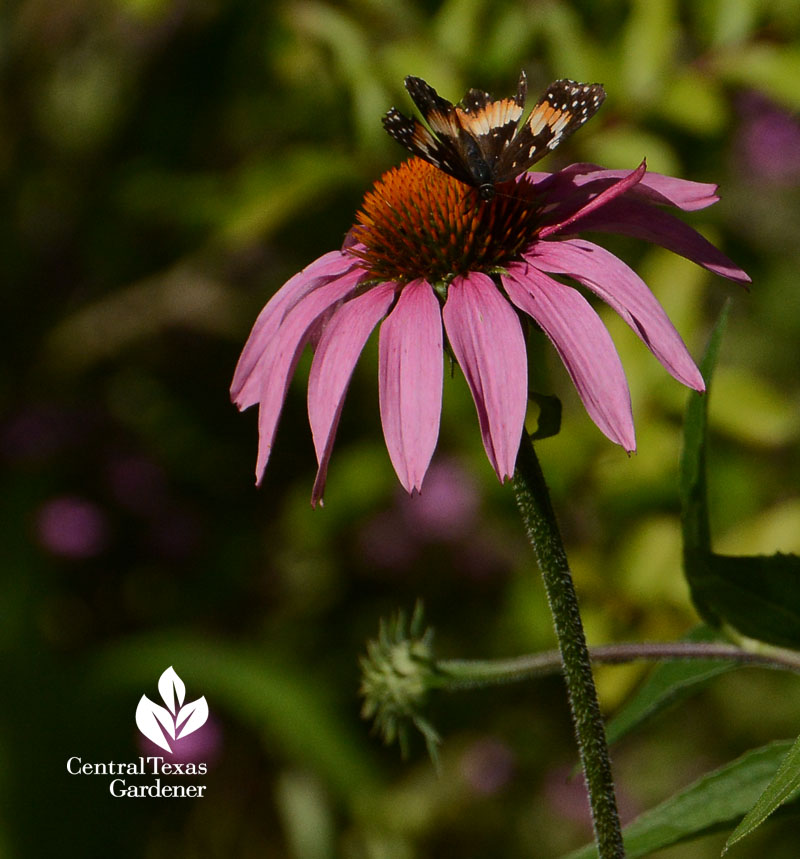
(549, 423)
(693, 486)
(667, 684)
(694, 491)
(785, 783)
(712, 803)
(759, 596)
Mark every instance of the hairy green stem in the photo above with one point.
(533, 500)
(453, 674)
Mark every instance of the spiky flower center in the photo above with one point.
(418, 222)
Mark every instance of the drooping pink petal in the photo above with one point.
(246, 385)
(623, 289)
(335, 358)
(597, 202)
(410, 381)
(654, 187)
(283, 351)
(584, 345)
(641, 221)
(684, 194)
(487, 340)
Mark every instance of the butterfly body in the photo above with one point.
(480, 141)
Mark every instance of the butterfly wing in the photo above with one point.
(441, 145)
(562, 110)
(467, 139)
(438, 112)
(492, 124)
(413, 135)
(479, 140)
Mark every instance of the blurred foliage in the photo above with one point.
(166, 165)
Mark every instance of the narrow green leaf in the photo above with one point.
(759, 596)
(667, 684)
(785, 783)
(712, 803)
(693, 488)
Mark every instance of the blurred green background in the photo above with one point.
(166, 165)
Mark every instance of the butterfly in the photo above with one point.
(480, 141)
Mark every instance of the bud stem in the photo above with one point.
(455, 674)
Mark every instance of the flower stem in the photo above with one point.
(533, 500)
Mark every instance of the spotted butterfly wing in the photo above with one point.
(441, 150)
(467, 138)
(562, 110)
(479, 141)
(491, 124)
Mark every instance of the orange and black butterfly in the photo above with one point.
(480, 141)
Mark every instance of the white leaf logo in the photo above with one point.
(151, 718)
(176, 720)
(191, 717)
(171, 688)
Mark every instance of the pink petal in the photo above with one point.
(280, 358)
(410, 381)
(599, 201)
(335, 359)
(584, 345)
(654, 187)
(621, 288)
(637, 219)
(682, 193)
(246, 385)
(487, 340)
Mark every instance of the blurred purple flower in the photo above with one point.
(445, 513)
(485, 555)
(430, 259)
(449, 507)
(37, 432)
(488, 766)
(72, 527)
(138, 484)
(568, 797)
(386, 543)
(768, 142)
